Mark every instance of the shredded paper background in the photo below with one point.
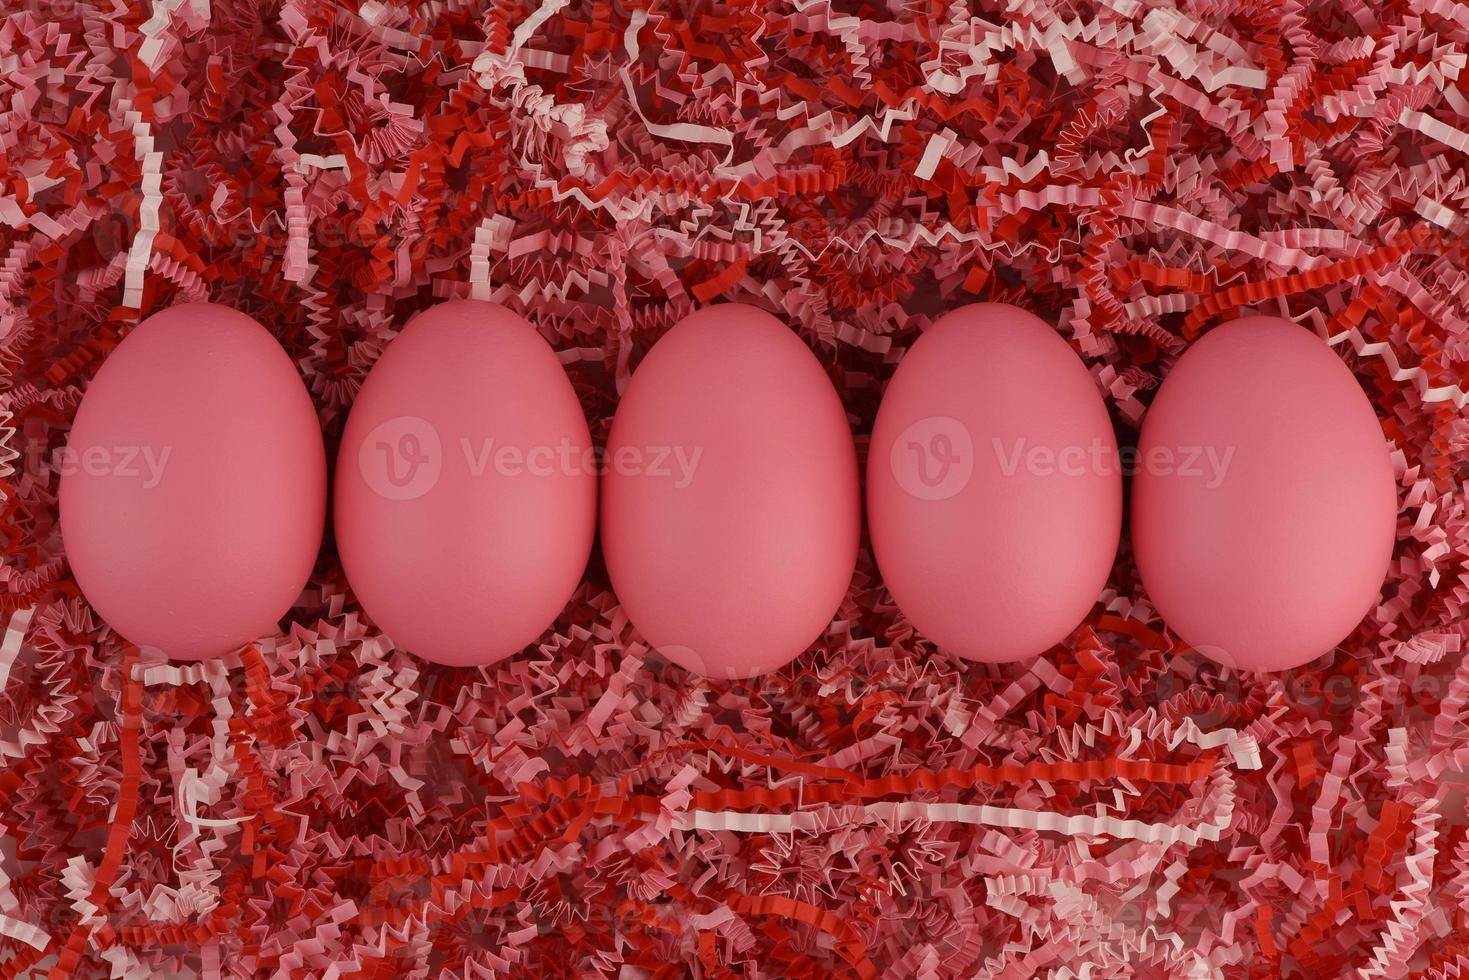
(322, 804)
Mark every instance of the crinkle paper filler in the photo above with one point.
(321, 804)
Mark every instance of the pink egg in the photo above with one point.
(994, 489)
(731, 509)
(193, 485)
(1264, 505)
(466, 487)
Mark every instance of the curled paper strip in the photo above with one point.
(1219, 801)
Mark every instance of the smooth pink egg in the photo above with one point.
(193, 484)
(1264, 505)
(466, 486)
(994, 488)
(731, 507)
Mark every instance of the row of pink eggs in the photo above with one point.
(194, 486)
